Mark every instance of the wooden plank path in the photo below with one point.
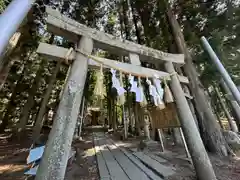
(160, 169)
(116, 163)
(139, 164)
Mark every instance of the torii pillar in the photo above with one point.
(201, 162)
(54, 162)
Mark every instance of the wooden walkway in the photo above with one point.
(116, 163)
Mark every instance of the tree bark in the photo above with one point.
(211, 132)
(30, 101)
(54, 161)
(7, 62)
(83, 105)
(5, 70)
(39, 121)
(234, 104)
(232, 125)
(194, 142)
(114, 115)
(11, 104)
(137, 119)
(215, 108)
(177, 136)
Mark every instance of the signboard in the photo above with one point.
(165, 118)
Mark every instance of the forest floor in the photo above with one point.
(13, 156)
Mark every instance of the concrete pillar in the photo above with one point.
(54, 161)
(194, 142)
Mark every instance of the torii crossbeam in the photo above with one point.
(54, 162)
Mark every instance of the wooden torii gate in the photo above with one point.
(54, 161)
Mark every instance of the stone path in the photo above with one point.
(117, 163)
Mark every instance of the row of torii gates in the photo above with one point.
(54, 161)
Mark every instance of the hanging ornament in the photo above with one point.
(121, 98)
(158, 86)
(143, 101)
(99, 89)
(168, 97)
(156, 97)
(133, 83)
(116, 84)
(160, 92)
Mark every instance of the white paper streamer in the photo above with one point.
(116, 83)
(154, 92)
(133, 84)
(159, 88)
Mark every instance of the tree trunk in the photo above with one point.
(135, 21)
(137, 119)
(215, 108)
(233, 102)
(177, 136)
(5, 70)
(114, 115)
(30, 101)
(211, 132)
(39, 121)
(146, 123)
(11, 104)
(6, 63)
(54, 161)
(83, 107)
(109, 112)
(187, 91)
(232, 125)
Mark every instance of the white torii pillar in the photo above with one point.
(11, 19)
(221, 69)
(54, 161)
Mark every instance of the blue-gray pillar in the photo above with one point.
(221, 69)
(11, 19)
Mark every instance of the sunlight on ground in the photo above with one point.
(89, 152)
(10, 168)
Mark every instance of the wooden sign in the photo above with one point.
(165, 118)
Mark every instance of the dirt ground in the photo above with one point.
(225, 168)
(85, 165)
(13, 156)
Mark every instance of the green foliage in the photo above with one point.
(140, 21)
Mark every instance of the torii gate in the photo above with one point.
(54, 161)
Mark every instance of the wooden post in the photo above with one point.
(134, 59)
(232, 125)
(194, 142)
(125, 122)
(55, 157)
(185, 144)
(146, 124)
(81, 118)
(234, 104)
(161, 139)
